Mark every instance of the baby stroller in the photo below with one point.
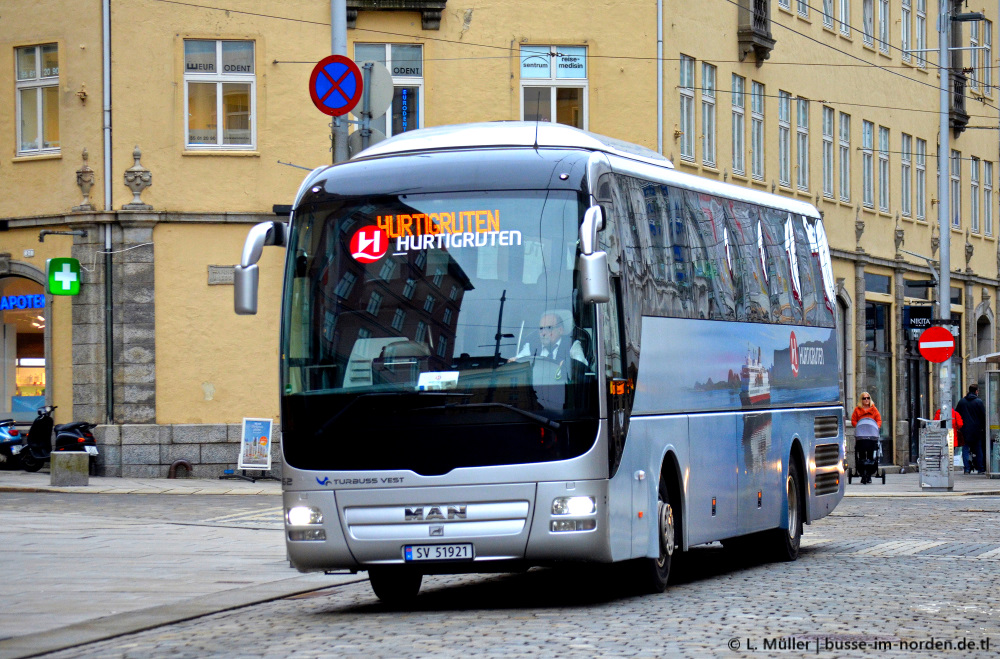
(867, 452)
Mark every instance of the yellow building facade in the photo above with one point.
(205, 110)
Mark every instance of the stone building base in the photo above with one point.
(149, 450)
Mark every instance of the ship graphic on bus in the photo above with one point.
(755, 382)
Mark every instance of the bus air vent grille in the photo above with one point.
(827, 455)
(826, 426)
(827, 483)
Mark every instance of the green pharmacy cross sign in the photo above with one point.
(64, 276)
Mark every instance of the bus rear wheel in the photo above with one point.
(785, 542)
(654, 573)
(395, 585)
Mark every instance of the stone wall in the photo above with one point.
(148, 450)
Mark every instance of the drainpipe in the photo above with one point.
(108, 208)
(659, 76)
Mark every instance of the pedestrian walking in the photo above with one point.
(973, 413)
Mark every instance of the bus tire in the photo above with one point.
(395, 585)
(785, 542)
(654, 573)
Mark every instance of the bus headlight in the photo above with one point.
(303, 516)
(574, 506)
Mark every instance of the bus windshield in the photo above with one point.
(422, 312)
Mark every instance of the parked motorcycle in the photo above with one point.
(75, 436)
(9, 438)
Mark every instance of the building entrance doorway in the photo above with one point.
(22, 348)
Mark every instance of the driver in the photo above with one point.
(553, 344)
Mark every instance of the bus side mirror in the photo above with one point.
(246, 275)
(593, 265)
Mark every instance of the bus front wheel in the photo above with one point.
(655, 572)
(395, 585)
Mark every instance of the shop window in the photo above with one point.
(406, 66)
(37, 93)
(877, 283)
(219, 94)
(22, 348)
(554, 84)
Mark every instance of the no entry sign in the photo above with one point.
(936, 344)
(335, 85)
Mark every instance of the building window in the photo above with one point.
(37, 89)
(687, 107)
(803, 8)
(920, 33)
(784, 138)
(387, 270)
(345, 285)
(974, 197)
(883, 26)
(845, 157)
(974, 73)
(868, 22)
(398, 319)
(987, 57)
(453, 293)
(920, 189)
(904, 29)
(828, 13)
(364, 333)
(442, 349)
(421, 333)
(708, 114)
(955, 194)
(828, 120)
(374, 303)
(429, 304)
(438, 277)
(447, 316)
(785, 4)
(905, 173)
(408, 288)
(802, 143)
(421, 259)
(554, 84)
(406, 65)
(757, 131)
(867, 164)
(883, 169)
(845, 17)
(739, 124)
(987, 198)
(220, 94)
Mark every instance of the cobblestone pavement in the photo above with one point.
(880, 577)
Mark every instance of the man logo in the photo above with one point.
(435, 513)
(369, 244)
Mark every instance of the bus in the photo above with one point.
(508, 345)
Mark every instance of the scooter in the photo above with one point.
(9, 438)
(75, 436)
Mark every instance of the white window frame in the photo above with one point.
(868, 22)
(708, 114)
(785, 4)
(920, 184)
(845, 156)
(554, 82)
(987, 198)
(905, 16)
(974, 194)
(686, 91)
(973, 80)
(785, 138)
(38, 83)
(739, 125)
(828, 166)
(987, 58)
(905, 174)
(384, 122)
(802, 143)
(883, 169)
(828, 14)
(219, 78)
(803, 8)
(845, 17)
(757, 140)
(955, 194)
(883, 26)
(920, 33)
(867, 164)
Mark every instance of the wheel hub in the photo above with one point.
(666, 515)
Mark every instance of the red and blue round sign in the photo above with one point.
(335, 85)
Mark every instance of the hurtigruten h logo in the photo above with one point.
(64, 276)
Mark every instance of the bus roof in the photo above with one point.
(509, 134)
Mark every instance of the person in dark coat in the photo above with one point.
(973, 413)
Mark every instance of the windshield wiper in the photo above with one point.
(538, 418)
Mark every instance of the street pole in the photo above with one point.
(944, 178)
(338, 46)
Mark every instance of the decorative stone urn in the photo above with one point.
(85, 181)
(137, 179)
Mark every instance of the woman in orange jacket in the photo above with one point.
(866, 436)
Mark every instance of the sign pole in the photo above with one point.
(338, 46)
(944, 231)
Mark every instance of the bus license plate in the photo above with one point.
(455, 552)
